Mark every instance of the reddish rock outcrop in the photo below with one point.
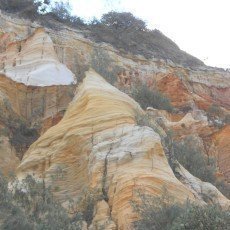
(173, 87)
(221, 150)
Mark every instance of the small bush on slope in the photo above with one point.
(22, 137)
(151, 98)
(227, 119)
(210, 217)
(192, 158)
(217, 116)
(20, 134)
(163, 213)
(100, 63)
(214, 111)
(155, 213)
(32, 207)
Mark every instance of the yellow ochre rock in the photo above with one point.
(98, 146)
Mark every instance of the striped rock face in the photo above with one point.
(33, 61)
(34, 86)
(98, 146)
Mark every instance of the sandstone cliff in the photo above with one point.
(98, 146)
(35, 88)
(33, 61)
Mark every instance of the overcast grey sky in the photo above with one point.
(199, 27)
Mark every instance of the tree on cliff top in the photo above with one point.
(124, 20)
(42, 10)
(61, 11)
(26, 8)
(14, 6)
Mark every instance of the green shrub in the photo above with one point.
(190, 155)
(22, 137)
(30, 205)
(214, 111)
(223, 187)
(20, 134)
(157, 213)
(217, 116)
(103, 64)
(211, 217)
(151, 98)
(87, 204)
(145, 120)
(227, 119)
(162, 213)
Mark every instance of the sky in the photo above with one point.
(199, 27)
